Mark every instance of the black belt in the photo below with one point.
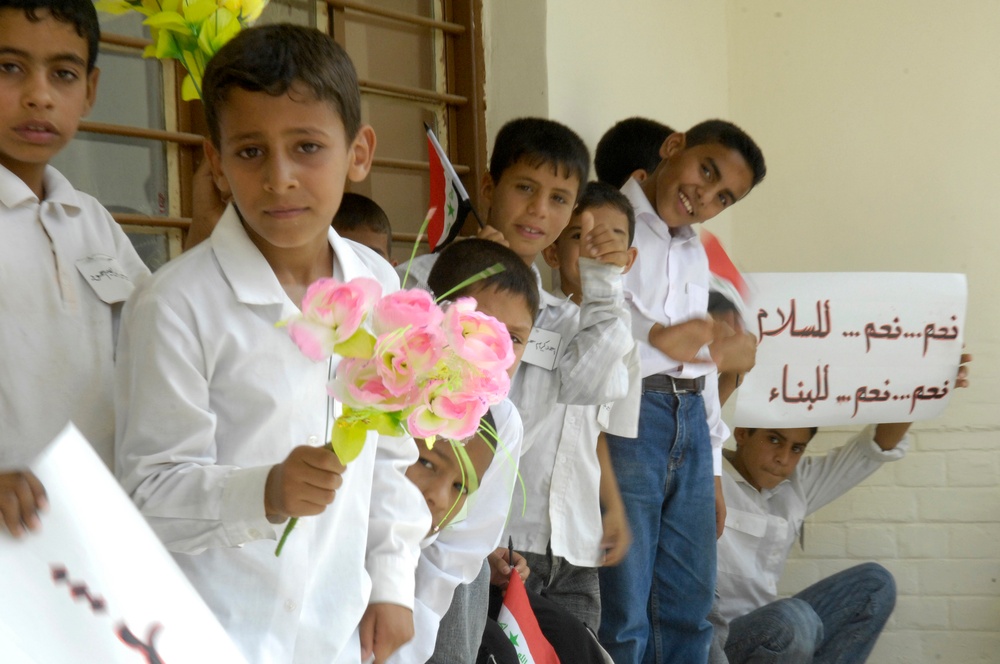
(671, 385)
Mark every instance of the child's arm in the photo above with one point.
(22, 497)
(617, 534)
(166, 452)
(398, 520)
(592, 368)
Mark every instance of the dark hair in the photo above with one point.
(631, 144)
(812, 431)
(601, 194)
(81, 14)
(732, 137)
(274, 58)
(357, 211)
(540, 142)
(466, 258)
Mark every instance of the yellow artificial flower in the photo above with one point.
(189, 31)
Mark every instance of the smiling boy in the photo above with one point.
(222, 419)
(66, 265)
(655, 603)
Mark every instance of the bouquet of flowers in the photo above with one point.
(189, 31)
(410, 366)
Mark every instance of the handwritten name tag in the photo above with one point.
(542, 349)
(107, 277)
(604, 415)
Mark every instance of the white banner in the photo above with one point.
(851, 348)
(95, 584)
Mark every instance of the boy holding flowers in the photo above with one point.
(222, 419)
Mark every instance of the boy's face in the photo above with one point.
(767, 457)
(694, 184)
(530, 205)
(45, 90)
(377, 242)
(442, 480)
(512, 310)
(564, 254)
(286, 160)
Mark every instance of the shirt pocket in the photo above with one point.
(754, 525)
(697, 297)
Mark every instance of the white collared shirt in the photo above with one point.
(668, 284)
(57, 335)
(211, 394)
(761, 526)
(456, 554)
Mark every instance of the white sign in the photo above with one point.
(853, 348)
(95, 584)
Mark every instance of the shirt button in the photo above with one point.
(289, 605)
(254, 532)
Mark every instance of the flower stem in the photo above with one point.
(288, 531)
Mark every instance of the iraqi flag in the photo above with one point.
(725, 277)
(518, 622)
(449, 201)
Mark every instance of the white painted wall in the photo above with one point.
(878, 120)
(878, 123)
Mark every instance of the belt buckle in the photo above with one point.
(673, 386)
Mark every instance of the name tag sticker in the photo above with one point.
(604, 415)
(542, 349)
(106, 276)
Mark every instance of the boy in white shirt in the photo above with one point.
(559, 527)
(655, 603)
(65, 265)
(222, 419)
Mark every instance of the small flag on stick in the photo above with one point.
(518, 622)
(448, 199)
(725, 278)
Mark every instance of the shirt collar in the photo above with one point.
(646, 214)
(14, 192)
(252, 279)
(727, 466)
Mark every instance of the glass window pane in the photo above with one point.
(403, 195)
(124, 174)
(399, 126)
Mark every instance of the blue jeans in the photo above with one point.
(836, 620)
(654, 604)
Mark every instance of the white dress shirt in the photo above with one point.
(761, 526)
(668, 284)
(57, 334)
(456, 554)
(211, 394)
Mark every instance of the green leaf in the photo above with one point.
(171, 21)
(387, 424)
(348, 439)
(166, 46)
(189, 90)
(361, 344)
(196, 12)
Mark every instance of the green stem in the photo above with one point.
(284, 536)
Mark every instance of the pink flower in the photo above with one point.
(477, 338)
(331, 313)
(357, 384)
(405, 358)
(454, 416)
(406, 308)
